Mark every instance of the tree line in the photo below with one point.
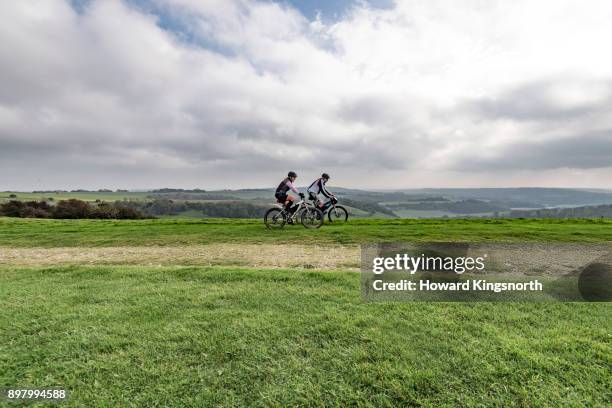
(593, 211)
(70, 209)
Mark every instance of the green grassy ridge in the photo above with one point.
(15, 232)
(185, 336)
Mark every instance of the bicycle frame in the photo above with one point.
(302, 205)
(327, 206)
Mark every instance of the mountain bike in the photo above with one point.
(335, 213)
(310, 216)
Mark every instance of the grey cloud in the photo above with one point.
(590, 150)
(533, 101)
(368, 110)
(396, 126)
(549, 133)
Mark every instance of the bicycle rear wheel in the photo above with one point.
(275, 218)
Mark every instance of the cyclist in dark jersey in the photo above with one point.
(282, 190)
(318, 187)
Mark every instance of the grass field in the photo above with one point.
(136, 335)
(53, 233)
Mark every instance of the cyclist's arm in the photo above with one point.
(324, 190)
(292, 187)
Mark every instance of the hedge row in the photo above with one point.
(71, 208)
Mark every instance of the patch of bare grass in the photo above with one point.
(246, 255)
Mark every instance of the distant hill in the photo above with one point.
(535, 197)
(523, 197)
(409, 203)
(576, 212)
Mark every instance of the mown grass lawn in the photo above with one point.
(222, 336)
(176, 337)
(17, 232)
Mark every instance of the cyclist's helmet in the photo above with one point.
(325, 176)
(291, 174)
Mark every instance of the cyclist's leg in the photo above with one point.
(291, 208)
(283, 199)
(315, 199)
(290, 204)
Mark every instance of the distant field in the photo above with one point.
(5, 196)
(15, 232)
(423, 213)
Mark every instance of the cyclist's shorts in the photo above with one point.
(280, 197)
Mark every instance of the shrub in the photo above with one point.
(117, 210)
(38, 213)
(30, 209)
(104, 211)
(38, 209)
(13, 208)
(128, 213)
(72, 209)
(40, 205)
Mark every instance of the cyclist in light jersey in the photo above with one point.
(318, 187)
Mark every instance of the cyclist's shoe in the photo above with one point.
(290, 221)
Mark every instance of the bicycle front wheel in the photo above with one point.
(312, 218)
(338, 215)
(275, 218)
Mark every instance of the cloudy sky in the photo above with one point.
(234, 93)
